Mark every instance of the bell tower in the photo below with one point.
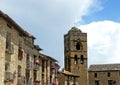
(75, 53)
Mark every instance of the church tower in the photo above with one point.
(75, 53)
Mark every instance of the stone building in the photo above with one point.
(22, 63)
(68, 78)
(49, 70)
(75, 58)
(75, 55)
(104, 74)
(21, 60)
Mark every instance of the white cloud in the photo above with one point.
(50, 19)
(103, 41)
(45, 11)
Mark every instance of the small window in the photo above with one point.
(95, 75)
(78, 46)
(75, 59)
(8, 40)
(111, 82)
(96, 82)
(82, 59)
(108, 74)
(7, 66)
(20, 54)
(9, 25)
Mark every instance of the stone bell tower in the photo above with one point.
(75, 53)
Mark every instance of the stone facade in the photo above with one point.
(68, 78)
(75, 50)
(21, 60)
(23, 64)
(104, 74)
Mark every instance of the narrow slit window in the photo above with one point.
(75, 59)
(82, 59)
(108, 74)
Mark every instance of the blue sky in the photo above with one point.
(109, 11)
(49, 20)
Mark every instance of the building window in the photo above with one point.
(108, 74)
(75, 59)
(78, 46)
(43, 66)
(96, 82)
(35, 74)
(19, 71)
(20, 54)
(82, 59)
(95, 75)
(7, 66)
(111, 82)
(35, 58)
(50, 79)
(8, 40)
(20, 45)
(27, 75)
(9, 25)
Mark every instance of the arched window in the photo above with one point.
(78, 46)
(75, 59)
(82, 59)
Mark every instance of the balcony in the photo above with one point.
(53, 67)
(55, 83)
(21, 80)
(37, 82)
(37, 62)
(29, 65)
(9, 77)
(36, 66)
(9, 48)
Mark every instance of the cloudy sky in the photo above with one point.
(49, 20)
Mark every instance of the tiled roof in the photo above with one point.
(69, 73)
(105, 67)
(47, 57)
